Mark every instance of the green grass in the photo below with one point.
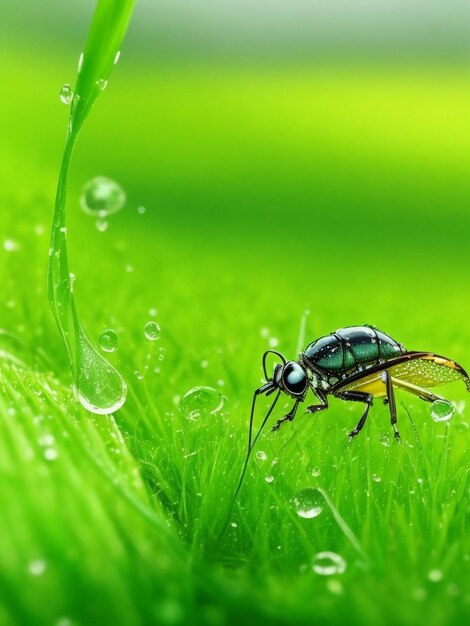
(254, 212)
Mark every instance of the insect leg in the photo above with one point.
(388, 380)
(358, 396)
(314, 408)
(289, 417)
(424, 394)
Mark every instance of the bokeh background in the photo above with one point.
(289, 156)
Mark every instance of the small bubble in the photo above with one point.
(442, 410)
(376, 478)
(435, 575)
(51, 454)
(108, 340)
(328, 564)
(37, 568)
(152, 331)
(66, 94)
(385, 439)
(269, 479)
(102, 196)
(316, 471)
(101, 225)
(101, 84)
(308, 503)
(10, 245)
(201, 401)
(261, 455)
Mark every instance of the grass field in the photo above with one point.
(267, 191)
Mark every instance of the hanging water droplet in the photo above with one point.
(308, 503)
(442, 410)
(261, 455)
(66, 94)
(108, 340)
(328, 564)
(201, 401)
(152, 331)
(102, 196)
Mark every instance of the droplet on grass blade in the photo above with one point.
(108, 340)
(308, 503)
(102, 196)
(328, 564)
(66, 94)
(200, 401)
(442, 410)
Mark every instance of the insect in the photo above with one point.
(356, 364)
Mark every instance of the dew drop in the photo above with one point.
(269, 479)
(138, 375)
(385, 439)
(442, 410)
(435, 575)
(102, 196)
(152, 331)
(51, 454)
(152, 312)
(101, 84)
(37, 568)
(66, 94)
(10, 246)
(234, 524)
(376, 478)
(316, 471)
(102, 225)
(200, 401)
(273, 342)
(261, 455)
(141, 210)
(328, 564)
(108, 340)
(308, 503)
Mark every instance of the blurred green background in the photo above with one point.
(288, 156)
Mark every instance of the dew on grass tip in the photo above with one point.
(200, 401)
(328, 564)
(108, 340)
(308, 503)
(102, 196)
(66, 94)
(442, 410)
(152, 331)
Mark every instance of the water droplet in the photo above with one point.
(204, 364)
(10, 245)
(138, 374)
(442, 410)
(234, 524)
(116, 58)
(308, 503)
(334, 586)
(101, 84)
(152, 312)
(269, 479)
(108, 340)
(264, 332)
(140, 210)
(37, 568)
(102, 225)
(385, 439)
(51, 454)
(66, 94)
(201, 401)
(273, 342)
(328, 564)
(102, 196)
(316, 471)
(435, 575)
(152, 331)
(376, 478)
(261, 455)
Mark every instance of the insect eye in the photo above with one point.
(294, 379)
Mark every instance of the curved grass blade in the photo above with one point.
(100, 388)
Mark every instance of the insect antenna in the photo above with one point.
(268, 389)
